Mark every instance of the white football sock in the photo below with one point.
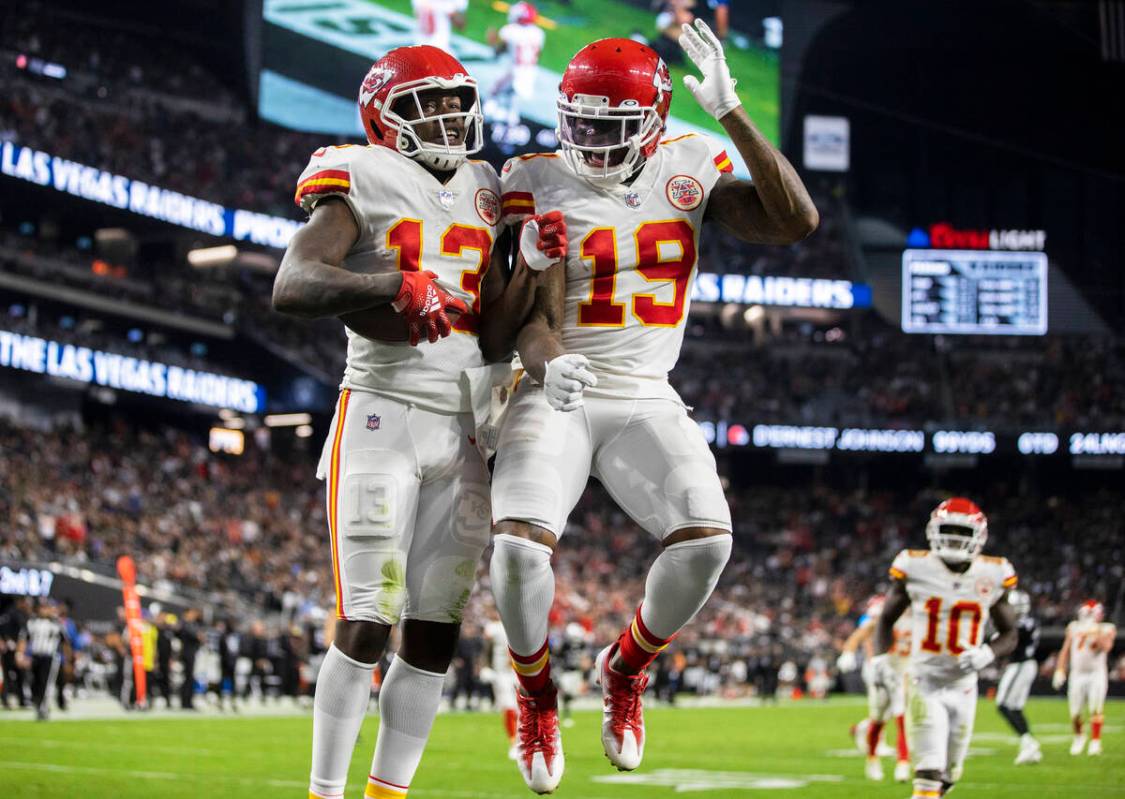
(523, 585)
(343, 687)
(408, 703)
(680, 581)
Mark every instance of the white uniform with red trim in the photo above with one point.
(950, 611)
(408, 500)
(631, 261)
(504, 676)
(882, 704)
(524, 42)
(1088, 680)
(434, 21)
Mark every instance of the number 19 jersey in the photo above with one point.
(950, 609)
(631, 257)
(410, 221)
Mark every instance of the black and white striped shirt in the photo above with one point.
(43, 636)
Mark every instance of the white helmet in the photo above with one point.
(1020, 602)
(957, 530)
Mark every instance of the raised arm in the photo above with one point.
(311, 283)
(774, 209)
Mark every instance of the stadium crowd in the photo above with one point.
(246, 536)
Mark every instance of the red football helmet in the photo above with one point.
(957, 530)
(613, 105)
(1091, 610)
(404, 73)
(523, 13)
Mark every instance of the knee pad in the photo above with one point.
(701, 559)
(514, 559)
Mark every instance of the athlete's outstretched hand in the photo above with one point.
(423, 303)
(543, 240)
(716, 93)
(567, 377)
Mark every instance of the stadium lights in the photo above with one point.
(211, 257)
(234, 423)
(304, 431)
(288, 420)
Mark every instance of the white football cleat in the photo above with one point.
(1029, 753)
(623, 722)
(902, 771)
(874, 769)
(1078, 745)
(1095, 747)
(539, 752)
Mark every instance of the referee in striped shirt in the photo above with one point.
(44, 642)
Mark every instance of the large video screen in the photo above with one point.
(316, 52)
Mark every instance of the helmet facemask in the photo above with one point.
(442, 156)
(605, 145)
(956, 543)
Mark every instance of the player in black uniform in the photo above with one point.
(1019, 674)
(575, 656)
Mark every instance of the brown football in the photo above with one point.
(383, 323)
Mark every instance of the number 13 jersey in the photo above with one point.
(631, 257)
(950, 609)
(408, 221)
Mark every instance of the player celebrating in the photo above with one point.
(599, 344)
(952, 591)
(1085, 651)
(884, 700)
(1019, 674)
(407, 226)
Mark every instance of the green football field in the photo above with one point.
(582, 21)
(799, 750)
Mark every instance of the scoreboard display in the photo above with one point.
(974, 292)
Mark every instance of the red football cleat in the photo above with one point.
(539, 752)
(623, 721)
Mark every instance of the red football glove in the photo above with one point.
(543, 240)
(422, 303)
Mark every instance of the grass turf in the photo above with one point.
(174, 756)
(758, 71)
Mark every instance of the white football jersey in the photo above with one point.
(1083, 659)
(950, 610)
(410, 221)
(494, 633)
(903, 627)
(631, 257)
(433, 20)
(525, 42)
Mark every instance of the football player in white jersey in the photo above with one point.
(884, 701)
(435, 20)
(410, 225)
(953, 591)
(1083, 661)
(598, 347)
(523, 40)
(502, 679)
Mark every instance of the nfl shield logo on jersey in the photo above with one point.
(446, 198)
(632, 199)
(372, 421)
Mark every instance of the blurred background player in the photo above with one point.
(599, 346)
(522, 40)
(576, 659)
(502, 678)
(884, 700)
(436, 19)
(1018, 677)
(1083, 660)
(952, 591)
(43, 647)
